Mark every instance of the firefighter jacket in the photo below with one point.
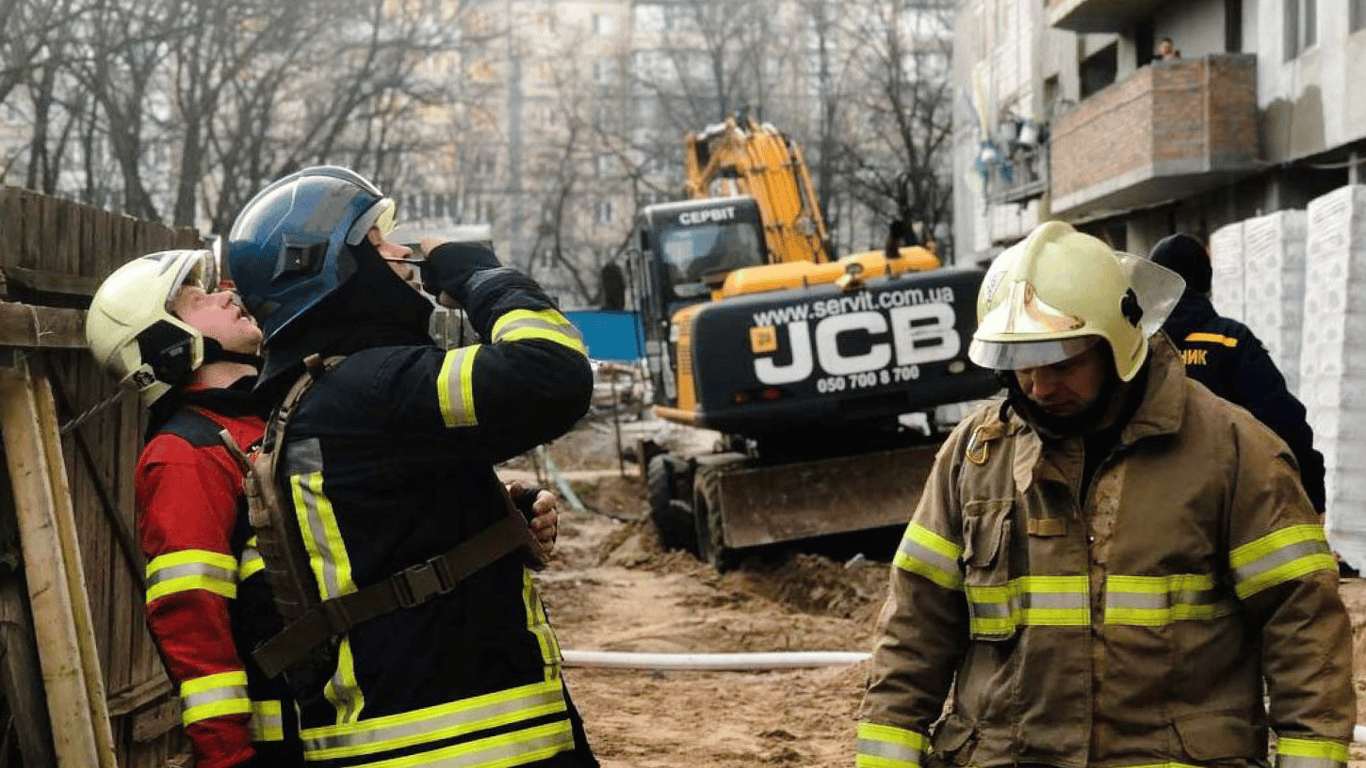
(387, 463)
(1224, 355)
(1132, 627)
(207, 602)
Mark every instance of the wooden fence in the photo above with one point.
(81, 680)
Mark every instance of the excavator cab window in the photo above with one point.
(695, 253)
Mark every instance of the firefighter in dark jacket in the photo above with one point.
(1224, 355)
(161, 326)
(386, 465)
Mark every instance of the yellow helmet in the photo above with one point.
(130, 328)
(1057, 292)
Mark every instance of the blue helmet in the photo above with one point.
(290, 245)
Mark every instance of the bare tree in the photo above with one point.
(900, 127)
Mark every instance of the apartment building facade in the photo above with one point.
(1066, 112)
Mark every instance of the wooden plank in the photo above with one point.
(34, 327)
(132, 699)
(75, 695)
(48, 281)
(21, 673)
(64, 515)
(155, 722)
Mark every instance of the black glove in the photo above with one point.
(450, 266)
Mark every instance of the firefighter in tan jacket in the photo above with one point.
(1105, 566)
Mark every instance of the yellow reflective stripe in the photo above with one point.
(928, 554)
(455, 387)
(213, 696)
(521, 324)
(886, 746)
(251, 563)
(436, 723)
(1213, 338)
(191, 569)
(1154, 601)
(1280, 557)
(343, 689)
(331, 568)
(267, 721)
(509, 749)
(1310, 753)
(538, 624)
(1055, 601)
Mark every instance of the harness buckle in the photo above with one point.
(419, 583)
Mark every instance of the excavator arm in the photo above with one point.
(758, 160)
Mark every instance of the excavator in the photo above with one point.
(821, 375)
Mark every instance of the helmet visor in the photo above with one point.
(1019, 355)
(380, 215)
(198, 269)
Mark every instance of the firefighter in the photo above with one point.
(387, 471)
(1106, 564)
(1224, 355)
(160, 326)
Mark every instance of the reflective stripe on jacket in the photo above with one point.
(1131, 628)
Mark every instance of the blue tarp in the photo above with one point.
(610, 334)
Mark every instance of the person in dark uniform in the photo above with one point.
(386, 467)
(1224, 355)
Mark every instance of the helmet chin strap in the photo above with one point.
(214, 353)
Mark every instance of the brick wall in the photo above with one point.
(1169, 118)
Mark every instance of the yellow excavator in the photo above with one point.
(809, 366)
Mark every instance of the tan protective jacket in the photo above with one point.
(1130, 628)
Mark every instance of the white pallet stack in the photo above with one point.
(1226, 261)
(1273, 287)
(1333, 359)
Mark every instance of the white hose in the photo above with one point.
(711, 661)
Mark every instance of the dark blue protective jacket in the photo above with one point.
(1224, 355)
(387, 462)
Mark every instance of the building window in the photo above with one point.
(602, 24)
(1357, 11)
(602, 212)
(1301, 26)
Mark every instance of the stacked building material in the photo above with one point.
(1333, 359)
(1226, 258)
(1273, 287)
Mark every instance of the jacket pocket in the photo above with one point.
(953, 742)
(1219, 736)
(992, 605)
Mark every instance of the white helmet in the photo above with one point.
(130, 328)
(1057, 292)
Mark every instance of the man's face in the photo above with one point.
(395, 255)
(1069, 388)
(219, 317)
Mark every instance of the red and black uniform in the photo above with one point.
(207, 601)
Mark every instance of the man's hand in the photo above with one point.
(542, 511)
(449, 267)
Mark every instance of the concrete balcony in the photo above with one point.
(1099, 15)
(1171, 130)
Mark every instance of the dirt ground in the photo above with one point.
(612, 588)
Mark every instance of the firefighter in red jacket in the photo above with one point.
(161, 326)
